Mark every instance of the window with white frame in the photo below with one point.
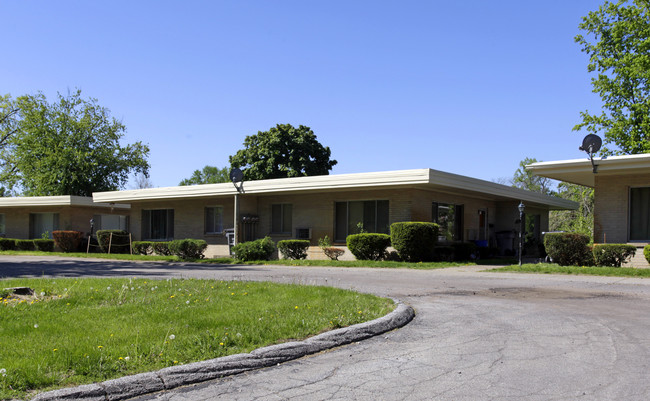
(213, 219)
(281, 215)
(639, 214)
(42, 223)
(158, 224)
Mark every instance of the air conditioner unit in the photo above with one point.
(303, 233)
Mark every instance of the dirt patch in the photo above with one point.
(534, 293)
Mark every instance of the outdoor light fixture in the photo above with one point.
(521, 208)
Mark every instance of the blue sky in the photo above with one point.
(469, 87)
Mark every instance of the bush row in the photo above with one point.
(571, 249)
(183, 248)
(11, 244)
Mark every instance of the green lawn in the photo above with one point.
(77, 331)
(548, 268)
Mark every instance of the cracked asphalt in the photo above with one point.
(476, 336)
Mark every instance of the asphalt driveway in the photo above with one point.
(477, 335)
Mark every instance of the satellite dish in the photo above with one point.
(591, 144)
(236, 175)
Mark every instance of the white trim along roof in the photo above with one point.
(579, 171)
(64, 200)
(421, 178)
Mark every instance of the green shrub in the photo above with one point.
(464, 251)
(120, 243)
(443, 253)
(646, 252)
(162, 248)
(261, 249)
(188, 248)
(368, 246)
(45, 245)
(293, 248)
(25, 244)
(7, 244)
(569, 249)
(414, 241)
(333, 253)
(142, 247)
(67, 241)
(613, 255)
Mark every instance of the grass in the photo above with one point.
(549, 268)
(78, 331)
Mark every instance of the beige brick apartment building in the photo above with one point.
(467, 209)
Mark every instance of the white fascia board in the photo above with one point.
(295, 184)
(499, 190)
(48, 201)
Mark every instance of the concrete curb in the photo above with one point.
(176, 376)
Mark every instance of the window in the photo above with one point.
(281, 218)
(2, 224)
(110, 222)
(449, 218)
(639, 214)
(372, 216)
(214, 220)
(41, 223)
(158, 224)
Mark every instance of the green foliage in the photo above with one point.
(646, 252)
(324, 242)
(44, 245)
(326, 245)
(368, 246)
(525, 179)
(67, 241)
(120, 242)
(25, 244)
(414, 241)
(142, 247)
(188, 248)
(7, 244)
(70, 147)
(161, 248)
(209, 175)
(283, 151)
(569, 249)
(613, 255)
(576, 221)
(261, 249)
(617, 42)
(293, 249)
(443, 253)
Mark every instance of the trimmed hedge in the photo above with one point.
(293, 248)
(333, 253)
(646, 252)
(25, 244)
(613, 255)
(161, 248)
(414, 241)
(188, 248)
(142, 247)
(368, 246)
(7, 244)
(44, 245)
(119, 244)
(569, 249)
(67, 241)
(261, 249)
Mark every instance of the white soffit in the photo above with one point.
(401, 178)
(579, 171)
(64, 200)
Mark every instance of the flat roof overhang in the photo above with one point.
(579, 171)
(420, 178)
(48, 201)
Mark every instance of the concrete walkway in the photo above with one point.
(476, 336)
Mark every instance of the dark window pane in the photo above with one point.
(276, 218)
(639, 214)
(287, 211)
(383, 225)
(355, 216)
(341, 229)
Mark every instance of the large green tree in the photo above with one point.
(68, 147)
(208, 175)
(575, 221)
(283, 151)
(525, 179)
(617, 41)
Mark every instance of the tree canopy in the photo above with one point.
(618, 44)
(283, 151)
(69, 147)
(208, 175)
(525, 179)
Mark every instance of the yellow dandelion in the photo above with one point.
(100, 346)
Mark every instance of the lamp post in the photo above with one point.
(521, 208)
